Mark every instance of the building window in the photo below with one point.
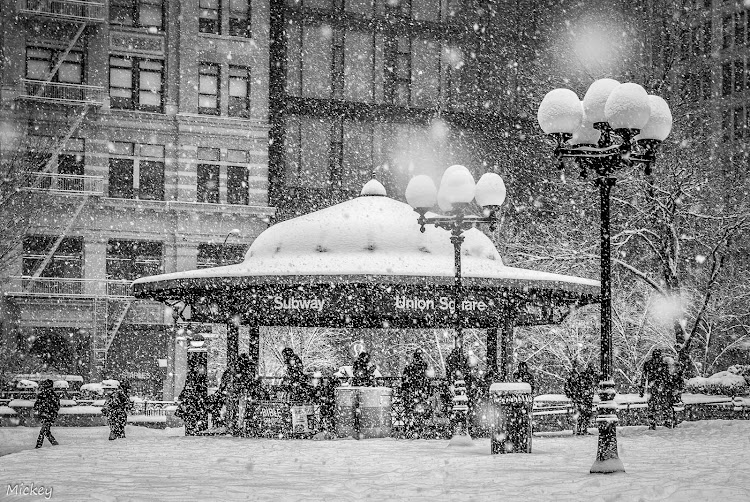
(208, 89)
(40, 61)
(210, 16)
(216, 255)
(239, 91)
(66, 262)
(400, 70)
(136, 84)
(739, 28)
(130, 259)
(727, 31)
(239, 18)
(139, 13)
(237, 185)
(726, 79)
(136, 171)
(71, 159)
(208, 183)
(307, 152)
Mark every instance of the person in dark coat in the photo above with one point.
(655, 378)
(192, 409)
(523, 374)
(295, 380)
(116, 410)
(363, 371)
(415, 390)
(325, 395)
(46, 407)
(579, 387)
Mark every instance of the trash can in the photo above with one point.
(363, 412)
(510, 409)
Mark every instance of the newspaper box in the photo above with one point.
(278, 419)
(510, 417)
(363, 412)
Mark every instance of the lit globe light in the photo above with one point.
(628, 107)
(560, 112)
(421, 192)
(457, 186)
(197, 341)
(596, 97)
(659, 124)
(490, 190)
(585, 134)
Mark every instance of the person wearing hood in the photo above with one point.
(415, 388)
(192, 408)
(46, 407)
(116, 410)
(295, 380)
(655, 378)
(363, 371)
(579, 387)
(523, 374)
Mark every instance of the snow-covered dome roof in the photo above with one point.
(371, 235)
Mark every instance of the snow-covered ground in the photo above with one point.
(698, 461)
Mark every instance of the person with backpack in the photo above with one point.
(46, 407)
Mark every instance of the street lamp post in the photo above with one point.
(222, 251)
(458, 198)
(615, 126)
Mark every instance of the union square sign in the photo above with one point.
(374, 302)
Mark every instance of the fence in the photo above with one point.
(72, 9)
(63, 286)
(76, 94)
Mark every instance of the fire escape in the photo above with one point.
(110, 300)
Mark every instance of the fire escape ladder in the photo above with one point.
(101, 308)
(112, 333)
(61, 144)
(51, 252)
(63, 55)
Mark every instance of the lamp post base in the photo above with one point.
(607, 460)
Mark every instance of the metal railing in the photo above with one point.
(73, 10)
(65, 183)
(58, 286)
(56, 92)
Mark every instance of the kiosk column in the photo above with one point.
(233, 347)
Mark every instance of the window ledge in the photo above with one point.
(233, 38)
(136, 29)
(221, 118)
(138, 112)
(175, 205)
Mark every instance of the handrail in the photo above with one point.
(64, 286)
(66, 9)
(57, 92)
(65, 183)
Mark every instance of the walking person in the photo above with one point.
(655, 378)
(295, 380)
(192, 409)
(579, 388)
(46, 407)
(116, 409)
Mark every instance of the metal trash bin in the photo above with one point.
(510, 409)
(363, 412)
